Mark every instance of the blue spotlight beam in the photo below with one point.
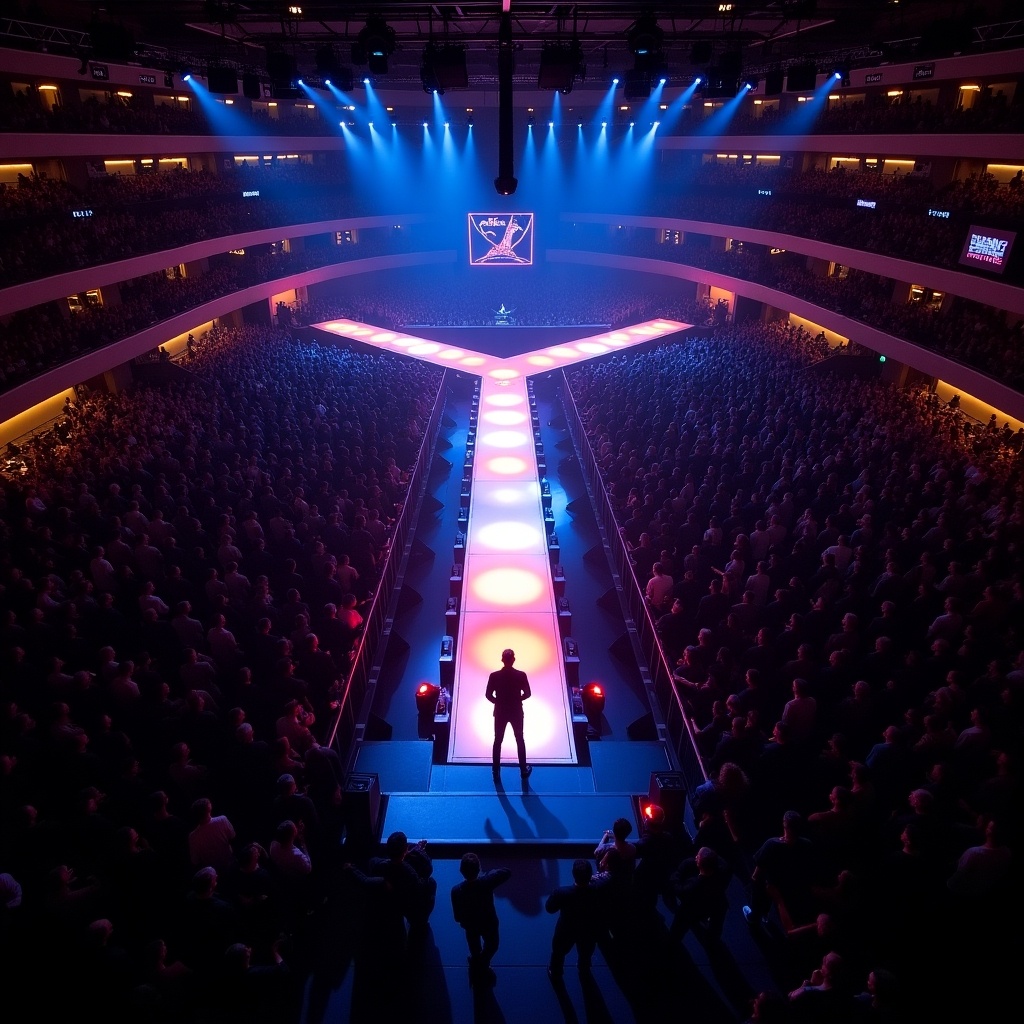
(801, 120)
(674, 112)
(225, 120)
(719, 120)
(607, 105)
(325, 109)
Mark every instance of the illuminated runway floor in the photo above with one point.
(508, 599)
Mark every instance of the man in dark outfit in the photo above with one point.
(473, 907)
(507, 688)
(581, 919)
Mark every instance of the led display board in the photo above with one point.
(500, 239)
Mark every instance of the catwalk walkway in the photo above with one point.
(508, 601)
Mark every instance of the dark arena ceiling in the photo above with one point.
(691, 35)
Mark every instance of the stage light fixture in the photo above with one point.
(561, 66)
(645, 36)
(376, 42)
(426, 698)
(593, 700)
(334, 72)
(444, 67)
(652, 812)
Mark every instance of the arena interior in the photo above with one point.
(675, 347)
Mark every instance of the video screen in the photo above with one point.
(988, 249)
(500, 239)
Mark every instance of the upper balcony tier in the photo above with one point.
(53, 228)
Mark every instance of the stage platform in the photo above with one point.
(505, 340)
(506, 816)
(563, 806)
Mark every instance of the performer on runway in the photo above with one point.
(507, 688)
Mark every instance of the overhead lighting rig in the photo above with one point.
(561, 66)
(443, 68)
(376, 42)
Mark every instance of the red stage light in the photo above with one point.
(593, 699)
(426, 698)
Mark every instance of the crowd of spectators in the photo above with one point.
(845, 630)
(967, 331)
(121, 216)
(823, 205)
(132, 214)
(182, 576)
(873, 115)
(41, 337)
(181, 587)
(561, 295)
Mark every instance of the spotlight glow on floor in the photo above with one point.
(506, 465)
(507, 587)
(502, 439)
(504, 418)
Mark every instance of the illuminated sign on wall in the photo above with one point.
(500, 239)
(867, 204)
(987, 248)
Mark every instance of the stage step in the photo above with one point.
(454, 822)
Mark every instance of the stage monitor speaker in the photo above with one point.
(252, 88)
(668, 790)
(362, 805)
